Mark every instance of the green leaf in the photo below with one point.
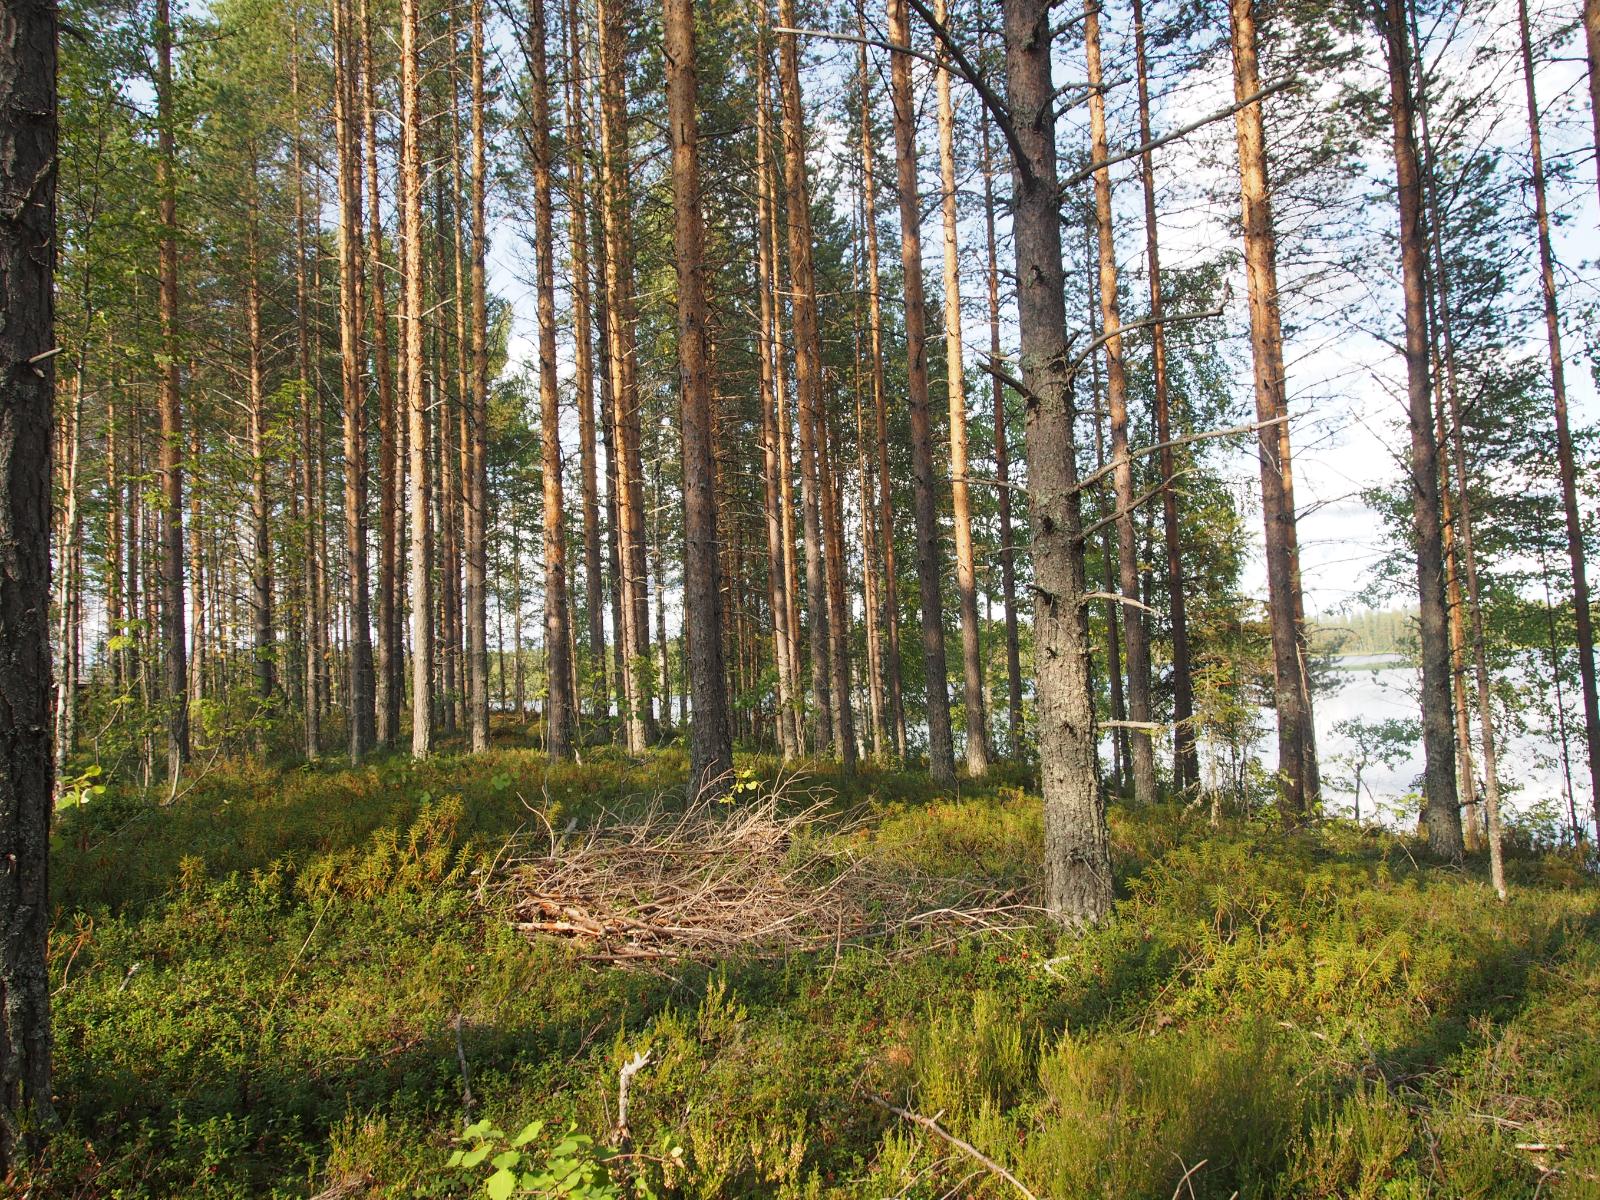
(455, 1159)
(529, 1131)
(476, 1155)
(507, 1159)
(500, 1185)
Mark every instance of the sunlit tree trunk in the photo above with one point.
(956, 394)
(885, 503)
(411, 330)
(1291, 682)
(260, 509)
(941, 752)
(808, 373)
(1002, 458)
(788, 719)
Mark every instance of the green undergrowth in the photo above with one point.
(269, 987)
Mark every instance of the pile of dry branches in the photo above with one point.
(764, 878)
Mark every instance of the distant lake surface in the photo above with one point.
(1375, 687)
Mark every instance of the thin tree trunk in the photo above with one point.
(1077, 849)
(477, 413)
(416, 397)
(1135, 639)
(577, 143)
(1002, 461)
(639, 719)
(956, 394)
(885, 503)
(788, 720)
(941, 752)
(171, 413)
(1442, 812)
(28, 146)
(1564, 454)
(358, 699)
(260, 510)
(560, 705)
(844, 733)
(1296, 735)
(1185, 756)
(710, 746)
(308, 613)
(807, 371)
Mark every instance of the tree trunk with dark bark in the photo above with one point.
(1077, 846)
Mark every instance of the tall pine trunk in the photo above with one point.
(807, 371)
(710, 747)
(28, 140)
(1185, 756)
(560, 706)
(1297, 771)
(1135, 638)
(175, 648)
(956, 394)
(1441, 813)
(941, 752)
(1583, 621)
(1077, 846)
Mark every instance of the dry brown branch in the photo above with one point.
(766, 878)
(933, 1127)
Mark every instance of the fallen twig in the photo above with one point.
(933, 1127)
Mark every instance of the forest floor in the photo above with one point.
(289, 982)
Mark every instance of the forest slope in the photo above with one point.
(258, 988)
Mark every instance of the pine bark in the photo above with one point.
(1291, 685)
(582, 320)
(1566, 461)
(260, 509)
(411, 331)
(941, 752)
(885, 503)
(1185, 755)
(1002, 460)
(560, 706)
(477, 414)
(359, 688)
(710, 746)
(1135, 636)
(639, 719)
(1441, 813)
(956, 395)
(808, 375)
(170, 458)
(787, 716)
(28, 141)
(1077, 850)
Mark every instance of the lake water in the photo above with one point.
(1375, 687)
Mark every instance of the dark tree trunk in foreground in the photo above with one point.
(941, 751)
(27, 390)
(1077, 851)
(1441, 812)
(477, 401)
